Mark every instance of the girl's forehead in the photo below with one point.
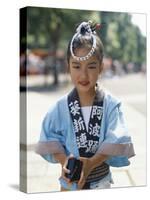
(81, 51)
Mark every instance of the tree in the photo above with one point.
(47, 26)
(122, 39)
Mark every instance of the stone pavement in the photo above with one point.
(131, 89)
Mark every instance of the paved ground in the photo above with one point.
(131, 89)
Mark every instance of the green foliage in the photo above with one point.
(52, 28)
(122, 39)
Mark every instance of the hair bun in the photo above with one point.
(83, 30)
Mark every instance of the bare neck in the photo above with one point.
(87, 98)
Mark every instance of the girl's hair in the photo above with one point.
(86, 37)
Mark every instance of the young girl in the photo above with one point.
(87, 123)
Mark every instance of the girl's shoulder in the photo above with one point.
(111, 100)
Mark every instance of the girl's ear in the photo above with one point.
(101, 67)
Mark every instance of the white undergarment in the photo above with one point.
(86, 111)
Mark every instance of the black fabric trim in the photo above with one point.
(87, 141)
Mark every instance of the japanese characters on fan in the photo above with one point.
(87, 123)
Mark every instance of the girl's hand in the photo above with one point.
(62, 159)
(88, 165)
(86, 169)
(65, 170)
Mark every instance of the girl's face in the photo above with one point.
(84, 74)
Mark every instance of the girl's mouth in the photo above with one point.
(84, 83)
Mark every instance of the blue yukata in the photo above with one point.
(58, 134)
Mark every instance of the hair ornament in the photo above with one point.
(84, 29)
(97, 26)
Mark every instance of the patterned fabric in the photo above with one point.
(58, 135)
(102, 184)
(98, 173)
(88, 140)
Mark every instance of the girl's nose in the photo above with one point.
(84, 73)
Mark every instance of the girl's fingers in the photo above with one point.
(81, 181)
(66, 162)
(66, 179)
(81, 178)
(65, 170)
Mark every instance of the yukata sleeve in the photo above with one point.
(51, 137)
(117, 142)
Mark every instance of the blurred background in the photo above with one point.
(44, 37)
(49, 31)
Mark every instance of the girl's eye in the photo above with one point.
(76, 66)
(92, 67)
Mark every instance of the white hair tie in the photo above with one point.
(83, 29)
